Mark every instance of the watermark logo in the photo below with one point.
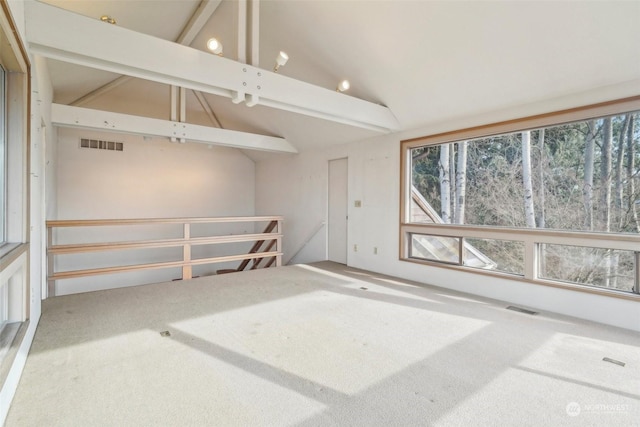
(574, 408)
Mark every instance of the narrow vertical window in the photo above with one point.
(3, 158)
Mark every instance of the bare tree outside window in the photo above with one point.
(581, 176)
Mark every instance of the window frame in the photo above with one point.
(533, 239)
(15, 253)
(4, 152)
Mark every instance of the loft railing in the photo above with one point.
(271, 234)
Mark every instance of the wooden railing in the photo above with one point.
(271, 234)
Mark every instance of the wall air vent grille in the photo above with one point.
(99, 144)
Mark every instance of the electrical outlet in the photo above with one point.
(358, 203)
(375, 251)
(355, 248)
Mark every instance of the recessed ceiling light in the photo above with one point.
(344, 85)
(214, 46)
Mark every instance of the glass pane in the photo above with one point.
(425, 186)
(604, 268)
(435, 248)
(3, 159)
(582, 176)
(498, 255)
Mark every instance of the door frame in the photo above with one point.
(346, 236)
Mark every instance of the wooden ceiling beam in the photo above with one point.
(53, 33)
(85, 118)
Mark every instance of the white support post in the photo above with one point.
(174, 107)
(636, 285)
(174, 103)
(183, 109)
(242, 31)
(187, 271)
(531, 255)
(253, 46)
(51, 284)
(254, 33)
(279, 244)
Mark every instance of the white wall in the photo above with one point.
(150, 179)
(296, 186)
(303, 203)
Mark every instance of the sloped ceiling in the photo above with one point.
(428, 61)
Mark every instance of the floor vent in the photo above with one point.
(615, 362)
(521, 310)
(99, 144)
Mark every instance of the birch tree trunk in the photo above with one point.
(541, 202)
(445, 184)
(461, 181)
(587, 188)
(452, 180)
(529, 213)
(631, 171)
(542, 265)
(619, 216)
(605, 175)
(619, 212)
(605, 196)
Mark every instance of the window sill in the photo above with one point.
(9, 252)
(541, 282)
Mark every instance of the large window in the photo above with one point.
(553, 198)
(14, 192)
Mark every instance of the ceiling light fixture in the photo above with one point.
(108, 19)
(344, 85)
(214, 46)
(280, 60)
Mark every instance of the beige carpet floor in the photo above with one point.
(319, 345)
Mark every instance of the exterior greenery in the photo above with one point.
(582, 176)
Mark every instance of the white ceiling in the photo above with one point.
(428, 61)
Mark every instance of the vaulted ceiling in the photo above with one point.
(428, 61)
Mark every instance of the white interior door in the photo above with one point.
(338, 204)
